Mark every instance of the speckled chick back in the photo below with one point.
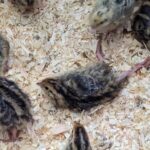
(14, 105)
(107, 15)
(78, 139)
(82, 89)
(141, 24)
(4, 54)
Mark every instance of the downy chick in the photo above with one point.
(4, 55)
(108, 15)
(14, 109)
(78, 139)
(86, 88)
(141, 25)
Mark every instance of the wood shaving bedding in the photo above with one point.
(58, 40)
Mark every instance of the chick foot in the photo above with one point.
(13, 135)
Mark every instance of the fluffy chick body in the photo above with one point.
(4, 55)
(82, 89)
(107, 15)
(141, 25)
(86, 88)
(78, 139)
(14, 107)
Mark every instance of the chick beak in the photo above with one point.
(39, 83)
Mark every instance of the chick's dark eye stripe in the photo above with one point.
(78, 140)
(105, 20)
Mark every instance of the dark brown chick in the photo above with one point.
(78, 139)
(14, 108)
(141, 25)
(4, 55)
(86, 88)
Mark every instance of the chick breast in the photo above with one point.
(82, 89)
(14, 104)
(141, 24)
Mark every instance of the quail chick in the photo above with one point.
(83, 89)
(4, 55)
(141, 25)
(78, 139)
(108, 15)
(14, 109)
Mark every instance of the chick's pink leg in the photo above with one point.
(126, 74)
(5, 67)
(99, 51)
(13, 135)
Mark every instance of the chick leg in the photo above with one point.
(99, 51)
(5, 66)
(13, 135)
(126, 74)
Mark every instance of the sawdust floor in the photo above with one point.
(58, 40)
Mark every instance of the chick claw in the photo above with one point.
(145, 63)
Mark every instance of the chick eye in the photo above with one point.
(119, 1)
(46, 88)
(104, 21)
(139, 26)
